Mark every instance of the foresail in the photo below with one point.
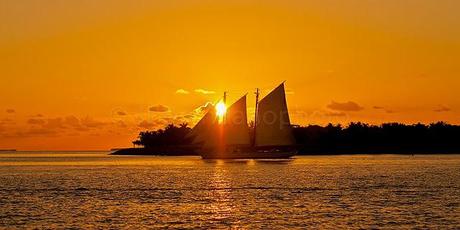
(236, 124)
(204, 130)
(273, 124)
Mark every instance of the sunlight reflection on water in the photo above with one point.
(96, 190)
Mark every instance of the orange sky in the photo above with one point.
(90, 74)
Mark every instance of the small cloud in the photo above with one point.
(383, 108)
(54, 123)
(41, 132)
(153, 124)
(10, 111)
(91, 123)
(442, 108)
(325, 114)
(121, 113)
(121, 124)
(72, 121)
(34, 132)
(289, 91)
(335, 114)
(38, 115)
(34, 121)
(7, 121)
(159, 108)
(189, 116)
(204, 108)
(346, 106)
(182, 91)
(81, 128)
(203, 91)
(146, 125)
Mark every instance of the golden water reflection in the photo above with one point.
(96, 190)
(221, 207)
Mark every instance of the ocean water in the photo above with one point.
(96, 190)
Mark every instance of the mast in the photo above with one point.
(255, 117)
(225, 103)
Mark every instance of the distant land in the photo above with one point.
(356, 138)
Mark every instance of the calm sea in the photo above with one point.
(96, 190)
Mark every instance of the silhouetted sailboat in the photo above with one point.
(230, 138)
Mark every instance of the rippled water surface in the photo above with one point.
(96, 190)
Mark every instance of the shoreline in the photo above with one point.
(187, 151)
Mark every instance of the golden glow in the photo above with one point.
(221, 109)
(120, 67)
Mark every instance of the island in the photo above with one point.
(355, 138)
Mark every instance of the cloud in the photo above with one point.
(204, 91)
(335, 114)
(383, 108)
(182, 91)
(91, 123)
(442, 108)
(7, 121)
(56, 126)
(189, 116)
(54, 123)
(346, 106)
(38, 115)
(72, 121)
(323, 114)
(146, 125)
(34, 121)
(121, 124)
(33, 132)
(10, 111)
(159, 108)
(204, 108)
(61, 126)
(121, 113)
(41, 132)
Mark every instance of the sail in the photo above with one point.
(204, 130)
(273, 126)
(236, 124)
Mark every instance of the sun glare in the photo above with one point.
(221, 109)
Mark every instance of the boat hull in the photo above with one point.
(249, 153)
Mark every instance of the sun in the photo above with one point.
(221, 109)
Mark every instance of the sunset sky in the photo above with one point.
(90, 74)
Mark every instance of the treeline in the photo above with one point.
(386, 138)
(357, 137)
(170, 135)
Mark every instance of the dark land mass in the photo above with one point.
(356, 138)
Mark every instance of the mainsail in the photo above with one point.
(236, 125)
(273, 127)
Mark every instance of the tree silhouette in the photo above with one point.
(357, 137)
(170, 135)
